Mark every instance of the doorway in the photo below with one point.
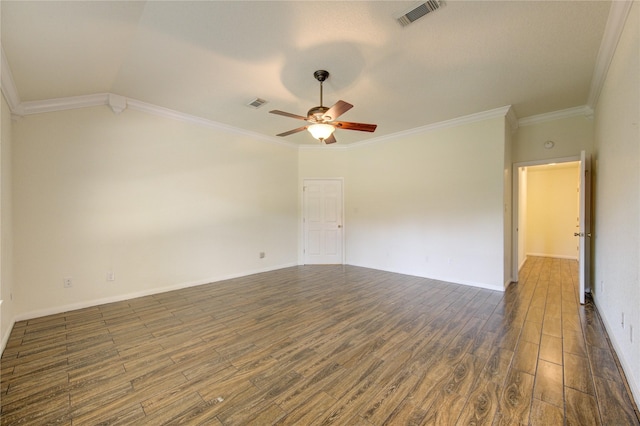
(323, 221)
(552, 210)
(551, 215)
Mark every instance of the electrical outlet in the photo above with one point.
(67, 282)
(111, 276)
(262, 255)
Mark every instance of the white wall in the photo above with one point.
(6, 227)
(552, 210)
(430, 204)
(617, 200)
(159, 202)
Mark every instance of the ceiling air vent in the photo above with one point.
(256, 103)
(418, 12)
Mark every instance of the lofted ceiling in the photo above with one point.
(209, 59)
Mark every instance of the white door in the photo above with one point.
(584, 233)
(323, 221)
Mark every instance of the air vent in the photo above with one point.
(256, 103)
(418, 12)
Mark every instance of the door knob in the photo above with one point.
(578, 234)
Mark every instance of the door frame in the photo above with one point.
(303, 236)
(515, 267)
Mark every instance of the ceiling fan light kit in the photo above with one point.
(321, 131)
(322, 118)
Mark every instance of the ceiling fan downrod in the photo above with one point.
(321, 76)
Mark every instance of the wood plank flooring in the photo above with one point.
(318, 345)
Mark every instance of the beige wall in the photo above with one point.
(6, 228)
(322, 162)
(570, 135)
(617, 200)
(552, 210)
(161, 203)
(509, 272)
(521, 232)
(165, 204)
(430, 204)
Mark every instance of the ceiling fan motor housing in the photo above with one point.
(317, 114)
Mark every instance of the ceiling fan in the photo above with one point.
(323, 119)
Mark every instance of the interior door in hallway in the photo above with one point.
(584, 232)
(323, 220)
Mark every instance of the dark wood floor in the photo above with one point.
(323, 344)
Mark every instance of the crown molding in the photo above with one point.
(119, 103)
(613, 30)
(471, 118)
(177, 115)
(506, 112)
(61, 104)
(8, 85)
(512, 119)
(584, 111)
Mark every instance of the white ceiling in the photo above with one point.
(210, 58)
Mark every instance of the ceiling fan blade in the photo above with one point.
(288, 114)
(330, 139)
(337, 110)
(363, 127)
(290, 132)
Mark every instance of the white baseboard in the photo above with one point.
(635, 389)
(127, 296)
(522, 263)
(5, 338)
(555, 256)
(498, 287)
(508, 282)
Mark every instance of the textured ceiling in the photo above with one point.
(209, 59)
